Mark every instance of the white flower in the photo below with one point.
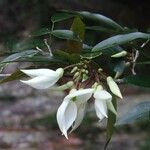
(113, 87)
(103, 102)
(42, 78)
(71, 111)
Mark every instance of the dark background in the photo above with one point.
(18, 16)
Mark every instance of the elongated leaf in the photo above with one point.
(101, 29)
(98, 18)
(78, 28)
(111, 122)
(61, 16)
(43, 59)
(27, 53)
(139, 80)
(119, 39)
(65, 34)
(90, 55)
(138, 113)
(112, 50)
(14, 76)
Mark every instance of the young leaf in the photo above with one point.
(139, 80)
(78, 28)
(111, 122)
(65, 34)
(61, 16)
(119, 39)
(138, 113)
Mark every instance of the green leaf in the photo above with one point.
(111, 51)
(139, 80)
(111, 122)
(41, 32)
(138, 113)
(65, 34)
(97, 18)
(78, 28)
(61, 16)
(13, 57)
(120, 39)
(90, 55)
(14, 76)
(16, 56)
(43, 59)
(101, 29)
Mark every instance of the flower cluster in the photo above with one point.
(72, 110)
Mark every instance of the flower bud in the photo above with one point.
(74, 69)
(76, 75)
(113, 87)
(83, 70)
(63, 87)
(120, 54)
(84, 77)
(100, 69)
(60, 71)
(86, 71)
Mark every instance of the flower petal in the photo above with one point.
(102, 94)
(80, 116)
(98, 113)
(101, 107)
(82, 95)
(41, 82)
(39, 72)
(66, 115)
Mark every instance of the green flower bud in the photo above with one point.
(113, 87)
(100, 69)
(76, 75)
(84, 77)
(120, 54)
(74, 69)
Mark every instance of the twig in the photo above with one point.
(40, 50)
(134, 61)
(48, 47)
